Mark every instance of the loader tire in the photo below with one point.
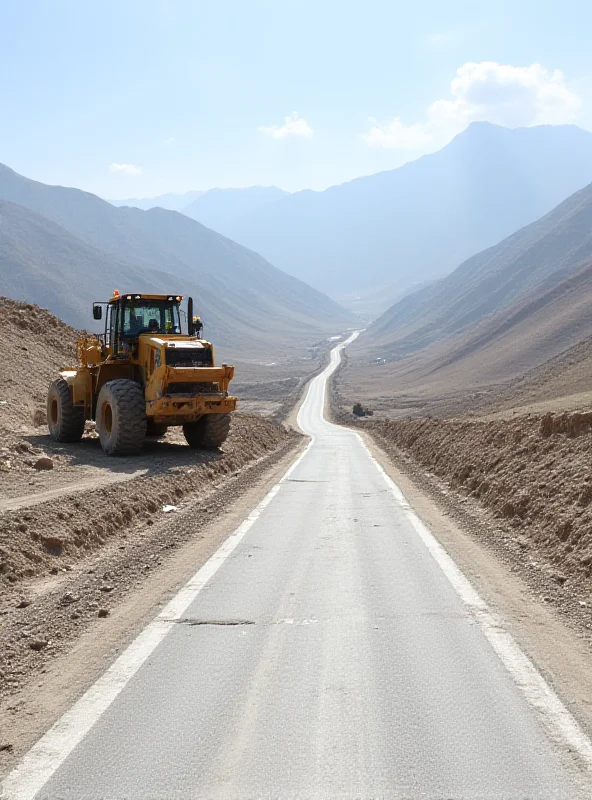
(64, 420)
(154, 430)
(121, 417)
(209, 432)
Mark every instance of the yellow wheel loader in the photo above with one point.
(141, 376)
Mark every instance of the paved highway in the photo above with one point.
(331, 649)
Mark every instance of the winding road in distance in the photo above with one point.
(329, 649)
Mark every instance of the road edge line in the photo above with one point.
(51, 750)
(556, 717)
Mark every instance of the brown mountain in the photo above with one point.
(44, 264)
(501, 313)
(91, 246)
(531, 261)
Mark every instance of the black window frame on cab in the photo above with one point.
(158, 305)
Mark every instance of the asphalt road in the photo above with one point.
(328, 656)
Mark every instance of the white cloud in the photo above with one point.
(170, 141)
(507, 95)
(125, 169)
(487, 91)
(397, 135)
(293, 125)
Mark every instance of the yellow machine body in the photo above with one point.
(177, 371)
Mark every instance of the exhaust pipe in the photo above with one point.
(190, 316)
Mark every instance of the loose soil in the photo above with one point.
(58, 532)
(59, 631)
(528, 482)
(34, 346)
(80, 531)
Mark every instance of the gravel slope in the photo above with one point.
(526, 486)
(89, 528)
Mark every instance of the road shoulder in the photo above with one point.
(560, 653)
(141, 575)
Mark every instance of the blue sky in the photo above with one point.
(139, 97)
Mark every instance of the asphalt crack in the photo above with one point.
(221, 622)
(305, 480)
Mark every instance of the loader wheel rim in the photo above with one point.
(107, 418)
(53, 411)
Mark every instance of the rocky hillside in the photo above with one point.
(526, 265)
(42, 262)
(500, 315)
(461, 371)
(34, 346)
(562, 382)
(245, 302)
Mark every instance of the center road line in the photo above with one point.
(385, 674)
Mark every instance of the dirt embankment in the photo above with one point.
(60, 502)
(34, 346)
(52, 535)
(79, 530)
(532, 472)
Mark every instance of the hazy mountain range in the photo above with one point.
(530, 262)
(369, 241)
(63, 248)
(502, 312)
(215, 208)
(373, 237)
(220, 209)
(386, 232)
(170, 201)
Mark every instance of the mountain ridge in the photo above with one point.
(218, 208)
(246, 302)
(503, 312)
(172, 201)
(371, 231)
(534, 258)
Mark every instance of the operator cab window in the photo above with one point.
(150, 318)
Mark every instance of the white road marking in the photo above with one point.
(46, 756)
(558, 721)
(53, 748)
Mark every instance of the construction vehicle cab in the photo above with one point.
(142, 375)
(128, 316)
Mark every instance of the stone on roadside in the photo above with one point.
(43, 463)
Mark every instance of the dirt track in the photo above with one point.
(58, 532)
(77, 487)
